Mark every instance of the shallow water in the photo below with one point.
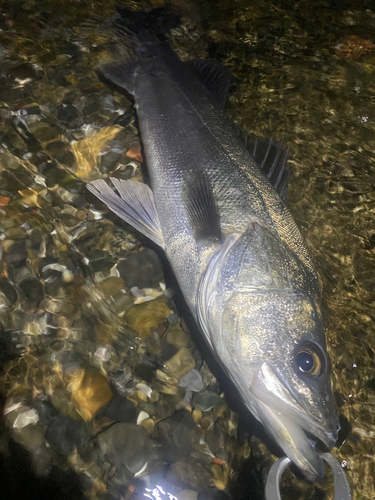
(71, 336)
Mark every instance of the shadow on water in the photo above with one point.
(18, 480)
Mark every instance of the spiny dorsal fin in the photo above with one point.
(201, 206)
(216, 77)
(135, 205)
(272, 159)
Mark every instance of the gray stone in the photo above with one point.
(125, 445)
(141, 269)
(206, 400)
(177, 434)
(165, 407)
(64, 435)
(192, 381)
(121, 410)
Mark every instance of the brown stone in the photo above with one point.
(90, 392)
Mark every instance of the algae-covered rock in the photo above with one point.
(146, 317)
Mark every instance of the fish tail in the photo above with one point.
(147, 26)
(144, 36)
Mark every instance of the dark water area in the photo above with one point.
(106, 390)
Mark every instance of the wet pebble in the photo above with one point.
(168, 351)
(181, 363)
(47, 412)
(145, 318)
(64, 435)
(90, 392)
(16, 254)
(215, 438)
(120, 379)
(28, 417)
(111, 286)
(33, 290)
(192, 381)
(103, 354)
(142, 269)
(177, 337)
(42, 461)
(68, 113)
(173, 319)
(165, 407)
(22, 73)
(59, 150)
(188, 495)
(120, 409)
(125, 445)
(177, 435)
(190, 473)
(146, 371)
(141, 417)
(30, 436)
(205, 400)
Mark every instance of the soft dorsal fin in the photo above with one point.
(216, 77)
(135, 204)
(201, 206)
(272, 159)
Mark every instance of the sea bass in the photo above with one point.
(235, 249)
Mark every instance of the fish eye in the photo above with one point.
(309, 360)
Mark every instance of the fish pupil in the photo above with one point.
(305, 362)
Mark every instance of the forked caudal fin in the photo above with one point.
(143, 34)
(134, 204)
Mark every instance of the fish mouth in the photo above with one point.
(295, 431)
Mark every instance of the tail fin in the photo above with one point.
(141, 33)
(147, 25)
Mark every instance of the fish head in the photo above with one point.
(259, 309)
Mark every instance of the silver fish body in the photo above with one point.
(251, 285)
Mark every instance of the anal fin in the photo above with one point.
(134, 204)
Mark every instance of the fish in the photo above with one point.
(216, 206)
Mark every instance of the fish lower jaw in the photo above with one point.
(294, 441)
(294, 431)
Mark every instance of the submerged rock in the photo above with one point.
(181, 363)
(146, 317)
(90, 392)
(184, 472)
(188, 495)
(192, 381)
(125, 446)
(120, 409)
(177, 337)
(206, 400)
(177, 435)
(142, 269)
(64, 435)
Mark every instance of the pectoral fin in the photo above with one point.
(201, 207)
(134, 204)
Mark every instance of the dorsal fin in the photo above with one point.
(201, 206)
(272, 159)
(216, 77)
